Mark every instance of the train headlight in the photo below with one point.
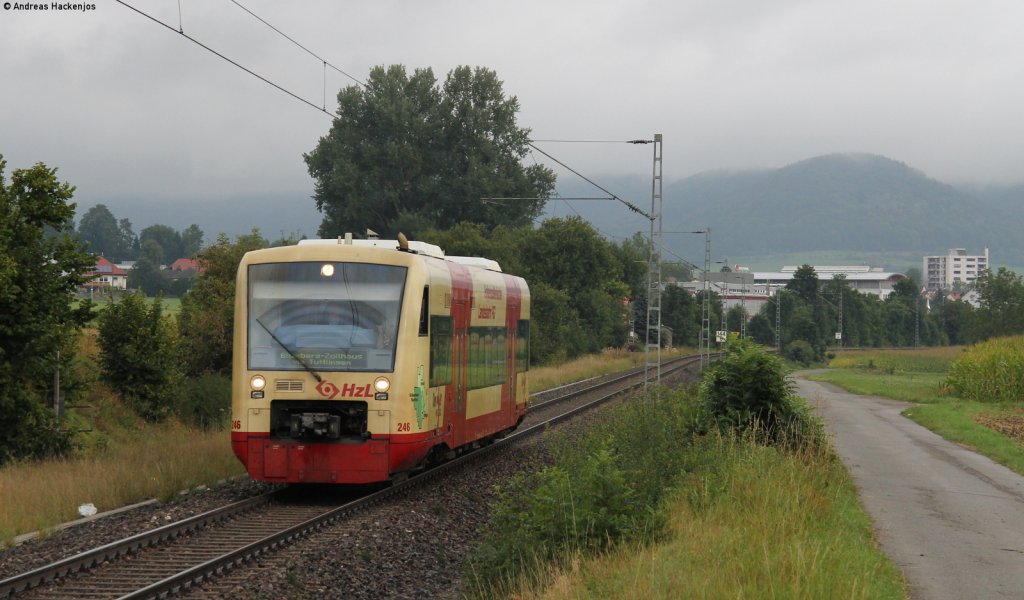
(327, 270)
(258, 382)
(381, 385)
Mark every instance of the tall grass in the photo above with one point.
(990, 371)
(608, 361)
(758, 523)
(150, 462)
(667, 499)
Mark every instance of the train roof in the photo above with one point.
(418, 247)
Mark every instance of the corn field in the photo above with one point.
(991, 371)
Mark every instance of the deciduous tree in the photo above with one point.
(101, 233)
(404, 152)
(191, 241)
(41, 265)
(168, 239)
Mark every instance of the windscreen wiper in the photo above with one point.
(308, 368)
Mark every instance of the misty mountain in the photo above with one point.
(856, 204)
(1007, 198)
(849, 208)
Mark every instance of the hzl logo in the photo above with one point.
(347, 390)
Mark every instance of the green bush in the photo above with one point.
(558, 510)
(137, 355)
(204, 401)
(801, 352)
(749, 388)
(603, 489)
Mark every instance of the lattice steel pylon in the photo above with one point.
(705, 319)
(652, 348)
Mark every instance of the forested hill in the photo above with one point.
(857, 203)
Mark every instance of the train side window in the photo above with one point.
(523, 346)
(440, 351)
(425, 311)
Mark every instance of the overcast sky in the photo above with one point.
(125, 107)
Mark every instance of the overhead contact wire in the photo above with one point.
(628, 204)
(289, 38)
(323, 109)
(218, 54)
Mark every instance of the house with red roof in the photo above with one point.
(107, 275)
(185, 264)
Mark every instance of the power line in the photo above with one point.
(221, 56)
(569, 205)
(493, 199)
(628, 204)
(324, 110)
(287, 37)
(596, 141)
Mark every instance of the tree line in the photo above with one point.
(154, 247)
(809, 315)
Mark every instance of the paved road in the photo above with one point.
(952, 520)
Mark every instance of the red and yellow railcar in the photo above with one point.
(356, 360)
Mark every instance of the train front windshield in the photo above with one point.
(326, 316)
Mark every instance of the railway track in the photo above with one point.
(186, 553)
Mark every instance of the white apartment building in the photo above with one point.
(943, 272)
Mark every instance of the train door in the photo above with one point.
(462, 307)
(512, 313)
(510, 365)
(460, 331)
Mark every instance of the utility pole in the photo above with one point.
(778, 320)
(743, 303)
(840, 332)
(725, 292)
(652, 349)
(705, 320)
(917, 320)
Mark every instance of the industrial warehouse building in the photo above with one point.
(752, 290)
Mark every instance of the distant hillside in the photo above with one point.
(1008, 198)
(847, 204)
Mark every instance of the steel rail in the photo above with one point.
(117, 549)
(197, 574)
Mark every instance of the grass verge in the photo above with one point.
(716, 493)
(925, 388)
(760, 524)
(151, 462)
(961, 421)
